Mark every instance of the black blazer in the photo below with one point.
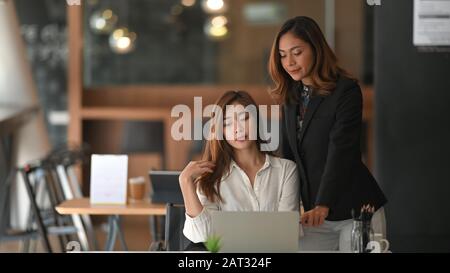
(328, 154)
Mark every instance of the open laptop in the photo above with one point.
(256, 231)
(165, 187)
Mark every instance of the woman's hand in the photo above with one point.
(315, 217)
(195, 169)
(187, 177)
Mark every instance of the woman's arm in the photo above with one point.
(197, 225)
(188, 188)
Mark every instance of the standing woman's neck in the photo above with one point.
(307, 81)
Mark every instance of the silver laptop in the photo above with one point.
(256, 231)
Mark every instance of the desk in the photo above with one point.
(83, 206)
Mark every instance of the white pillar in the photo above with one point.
(18, 88)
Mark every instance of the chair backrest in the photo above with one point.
(4, 204)
(174, 237)
(27, 173)
(6, 176)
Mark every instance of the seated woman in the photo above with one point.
(235, 175)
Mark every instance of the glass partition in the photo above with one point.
(165, 42)
(129, 42)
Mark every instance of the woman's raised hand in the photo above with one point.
(195, 169)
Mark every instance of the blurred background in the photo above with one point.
(105, 74)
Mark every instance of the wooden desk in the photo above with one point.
(83, 206)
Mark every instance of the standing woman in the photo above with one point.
(322, 118)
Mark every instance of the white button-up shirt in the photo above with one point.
(276, 188)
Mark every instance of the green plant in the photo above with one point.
(212, 244)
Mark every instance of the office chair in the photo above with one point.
(40, 182)
(174, 237)
(64, 161)
(7, 234)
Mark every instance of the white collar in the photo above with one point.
(267, 163)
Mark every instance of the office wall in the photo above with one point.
(249, 45)
(243, 46)
(349, 35)
(412, 95)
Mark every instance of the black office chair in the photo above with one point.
(39, 180)
(7, 234)
(64, 161)
(174, 237)
(40, 224)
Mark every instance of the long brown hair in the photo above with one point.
(325, 70)
(219, 151)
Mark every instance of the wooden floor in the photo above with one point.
(136, 230)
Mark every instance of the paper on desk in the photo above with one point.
(109, 179)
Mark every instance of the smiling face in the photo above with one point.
(239, 127)
(297, 57)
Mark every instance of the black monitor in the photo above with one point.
(165, 187)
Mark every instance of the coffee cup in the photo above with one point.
(136, 188)
(379, 246)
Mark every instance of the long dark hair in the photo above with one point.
(219, 151)
(325, 70)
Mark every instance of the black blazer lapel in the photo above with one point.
(312, 107)
(290, 112)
